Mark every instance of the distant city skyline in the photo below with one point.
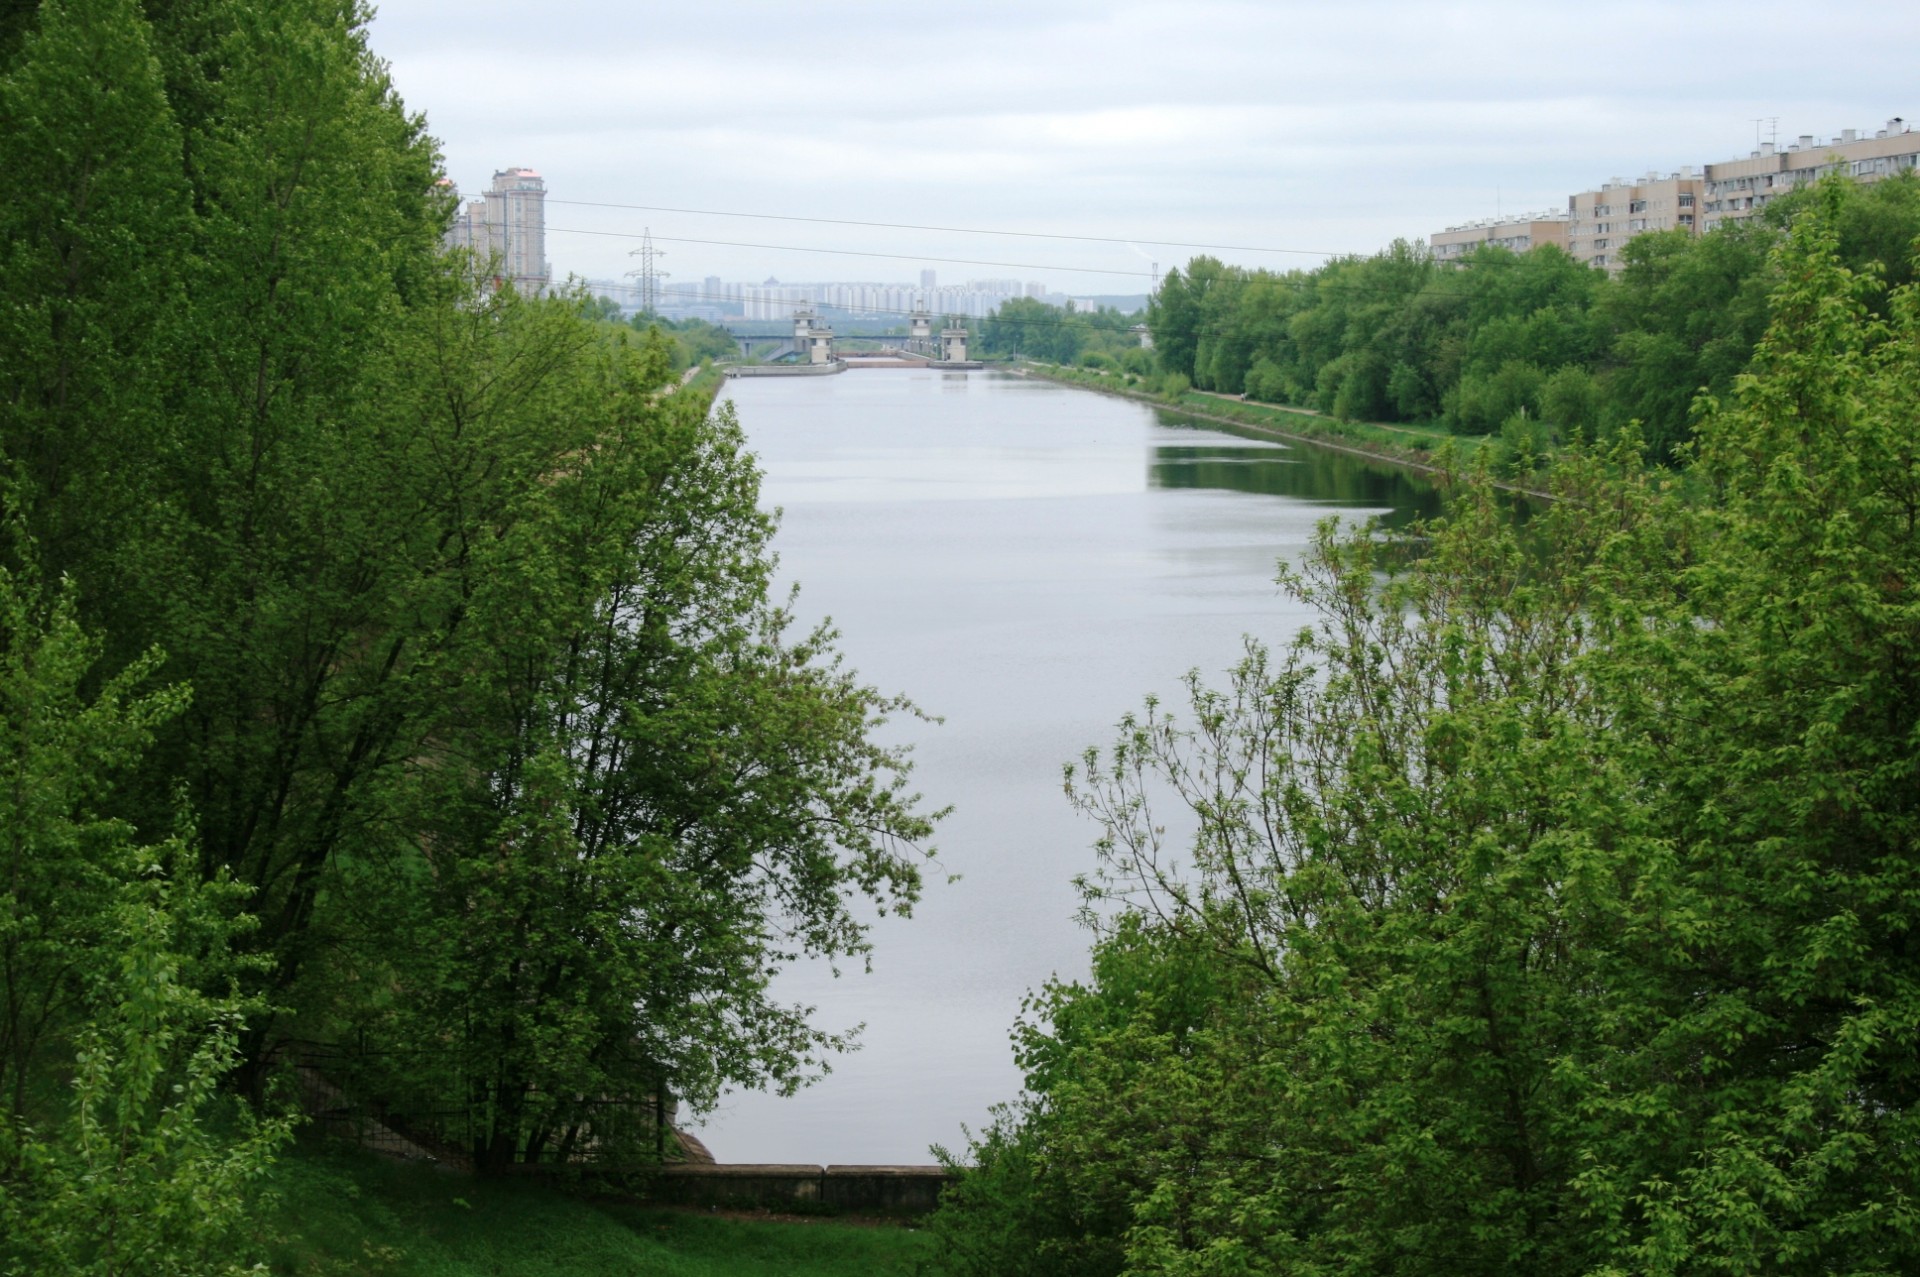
(714, 297)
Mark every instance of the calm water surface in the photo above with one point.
(1027, 561)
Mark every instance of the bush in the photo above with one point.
(1570, 403)
(1522, 446)
(1485, 401)
(1265, 381)
(118, 1153)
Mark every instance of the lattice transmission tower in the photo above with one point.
(649, 274)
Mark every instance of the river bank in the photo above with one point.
(1404, 447)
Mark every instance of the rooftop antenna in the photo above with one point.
(649, 275)
(1773, 130)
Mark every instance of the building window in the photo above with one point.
(1637, 206)
(1686, 199)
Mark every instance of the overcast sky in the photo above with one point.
(1323, 127)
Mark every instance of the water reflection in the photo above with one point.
(1332, 479)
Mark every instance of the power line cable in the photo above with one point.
(1236, 277)
(852, 252)
(952, 230)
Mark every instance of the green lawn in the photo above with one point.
(341, 1213)
(1401, 436)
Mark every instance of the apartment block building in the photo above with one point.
(508, 225)
(1738, 189)
(1602, 222)
(1599, 223)
(1517, 234)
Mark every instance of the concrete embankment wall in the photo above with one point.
(880, 1190)
(787, 370)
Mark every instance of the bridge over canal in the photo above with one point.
(812, 342)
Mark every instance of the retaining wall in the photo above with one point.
(875, 1190)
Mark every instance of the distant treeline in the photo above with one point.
(688, 341)
(1533, 345)
(1062, 335)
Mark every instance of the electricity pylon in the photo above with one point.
(649, 275)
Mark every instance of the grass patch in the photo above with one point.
(341, 1212)
(1409, 440)
(705, 384)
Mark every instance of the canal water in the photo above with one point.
(1028, 561)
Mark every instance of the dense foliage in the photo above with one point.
(1534, 346)
(384, 658)
(1549, 905)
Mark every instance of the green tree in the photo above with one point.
(1571, 402)
(117, 1015)
(465, 595)
(90, 243)
(1687, 313)
(1783, 1046)
(1484, 401)
(643, 780)
(1177, 311)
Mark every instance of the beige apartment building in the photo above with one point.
(1517, 234)
(1602, 222)
(1738, 189)
(1598, 224)
(509, 224)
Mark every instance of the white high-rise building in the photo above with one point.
(508, 225)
